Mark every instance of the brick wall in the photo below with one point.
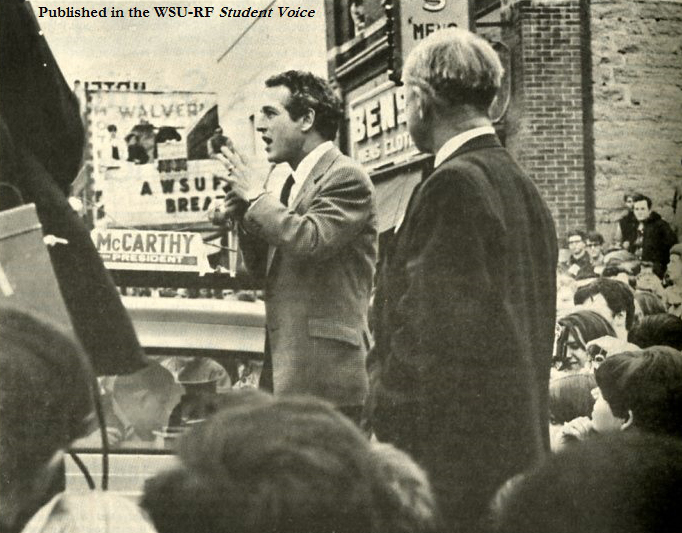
(637, 73)
(544, 125)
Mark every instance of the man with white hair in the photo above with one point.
(465, 303)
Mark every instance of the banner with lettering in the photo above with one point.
(128, 249)
(143, 196)
(127, 126)
(147, 170)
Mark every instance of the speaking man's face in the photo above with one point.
(283, 136)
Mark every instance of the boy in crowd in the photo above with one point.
(45, 404)
(579, 263)
(612, 299)
(595, 244)
(636, 391)
(655, 237)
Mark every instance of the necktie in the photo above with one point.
(286, 190)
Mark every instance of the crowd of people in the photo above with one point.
(486, 409)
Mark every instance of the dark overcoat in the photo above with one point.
(465, 311)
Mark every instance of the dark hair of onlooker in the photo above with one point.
(111, 128)
(289, 465)
(647, 382)
(640, 197)
(580, 233)
(409, 504)
(661, 329)
(570, 396)
(310, 92)
(618, 296)
(595, 236)
(584, 326)
(649, 303)
(626, 483)
(628, 195)
(45, 401)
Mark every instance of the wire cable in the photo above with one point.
(84, 469)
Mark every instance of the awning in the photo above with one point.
(392, 197)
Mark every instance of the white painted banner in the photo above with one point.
(128, 249)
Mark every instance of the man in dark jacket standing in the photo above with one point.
(465, 304)
(655, 237)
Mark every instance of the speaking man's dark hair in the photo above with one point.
(310, 92)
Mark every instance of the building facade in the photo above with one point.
(591, 106)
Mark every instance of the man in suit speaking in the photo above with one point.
(314, 244)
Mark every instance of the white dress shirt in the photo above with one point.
(306, 166)
(456, 142)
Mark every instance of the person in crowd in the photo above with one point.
(574, 332)
(621, 483)
(677, 209)
(198, 369)
(579, 262)
(570, 397)
(314, 244)
(286, 464)
(647, 281)
(90, 512)
(613, 300)
(45, 404)
(410, 495)
(647, 303)
(460, 369)
(602, 347)
(662, 329)
(357, 15)
(636, 391)
(136, 152)
(626, 229)
(673, 292)
(621, 265)
(142, 403)
(217, 141)
(595, 249)
(566, 287)
(655, 237)
(114, 147)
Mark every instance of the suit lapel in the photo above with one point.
(320, 168)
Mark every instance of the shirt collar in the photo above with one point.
(456, 142)
(306, 166)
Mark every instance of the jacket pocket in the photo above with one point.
(326, 328)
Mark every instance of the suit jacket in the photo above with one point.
(317, 258)
(657, 240)
(465, 311)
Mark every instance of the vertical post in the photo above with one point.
(389, 10)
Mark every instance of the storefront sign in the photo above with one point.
(130, 249)
(420, 18)
(378, 127)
